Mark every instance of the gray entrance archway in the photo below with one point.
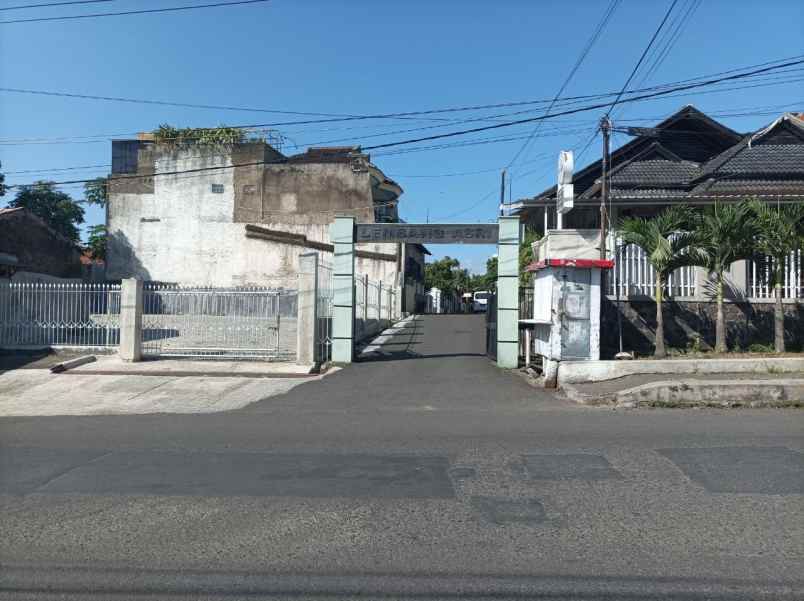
(344, 233)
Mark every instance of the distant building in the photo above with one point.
(31, 249)
(240, 214)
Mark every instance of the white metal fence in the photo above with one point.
(324, 300)
(251, 322)
(375, 305)
(759, 278)
(634, 276)
(80, 314)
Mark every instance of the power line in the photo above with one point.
(642, 58)
(581, 109)
(179, 104)
(584, 53)
(105, 137)
(133, 12)
(341, 117)
(529, 120)
(48, 4)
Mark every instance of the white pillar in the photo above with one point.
(343, 306)
(131, 320)
(508, 293)
(306, 324)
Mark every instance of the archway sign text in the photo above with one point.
(429, 233)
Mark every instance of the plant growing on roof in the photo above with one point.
(780, 231)
(725, 234)
(186, 136)
(668, 244)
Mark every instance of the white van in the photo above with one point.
(480, 301)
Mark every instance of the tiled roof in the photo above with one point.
(781, 158)
(645, 192)
(750, 186)
(765, 163)
(8, 211)
(656, 172)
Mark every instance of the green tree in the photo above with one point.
(491, 274)
(526, 256)
(97, 241)
(2, 182)
(446, 275)
(779, 232)
(668, 246)
(96, 192)
(56, 208)
(725, 234)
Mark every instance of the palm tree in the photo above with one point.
(779, 233)
(668, 244)
(725, 234)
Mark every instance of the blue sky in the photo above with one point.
(368, 57)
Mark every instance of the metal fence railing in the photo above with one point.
(324, 301)
(634, 275)
(41, 314)
(526, 302)
(792, 284)
(252, 322)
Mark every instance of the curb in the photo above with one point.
(787, 393)
(71, 363)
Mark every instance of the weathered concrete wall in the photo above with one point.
(185, 232)
(38, 248)
(746, 323)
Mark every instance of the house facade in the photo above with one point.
(692, 159)
(30, 250)
(240, 214)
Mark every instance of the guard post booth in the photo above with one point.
(566, 295)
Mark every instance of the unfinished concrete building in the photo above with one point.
(240, 214)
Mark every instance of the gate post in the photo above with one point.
(508, 293)
(364, 283)
(131, 320)
(342, 236)
(307, 324)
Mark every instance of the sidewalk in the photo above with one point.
(709, 390)
(110, 386)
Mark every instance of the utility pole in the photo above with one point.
(605, 128)
(502, 194)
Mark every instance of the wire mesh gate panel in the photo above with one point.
(226, 323)
(41, 314)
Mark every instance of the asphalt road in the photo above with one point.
(422, 472)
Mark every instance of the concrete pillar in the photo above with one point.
(131, 320)
(701, 279)
(342, 236)
(365, 299)
(550, 371)
(739, 278)
(508, 293)
(307, 322)
(379, 305)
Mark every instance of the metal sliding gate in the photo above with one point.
(73, 314)
(227, 323)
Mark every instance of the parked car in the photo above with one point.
(480, 301)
